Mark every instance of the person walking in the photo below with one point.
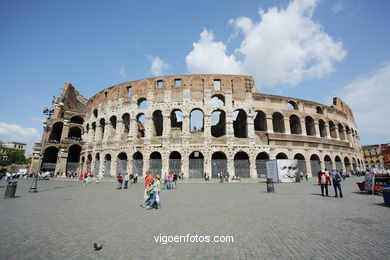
(120, 181)
(336, 180)
(325, 181)
(135, 178)
(148, 180)
(154, 191)
(127, 178)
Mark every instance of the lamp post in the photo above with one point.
(49, 112)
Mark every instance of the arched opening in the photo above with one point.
(292, 105)
(278, 122)
(315, 165)
(195, 170)
(138, 163)
(328, 163)
(196, 120)
(218, 123)
(102, 127)
(218, 101)
(301, 163)
(176, 120)
(281, 156)
(241, 165)
(295, 125)
(74, 134)
(72, 163)
(56, 132)
(107, 165)
(347, 164)
(175, 162)
(95, 113)
(240, 125)
(93, 130)
(322, 126)
(97, 164)
(121, 164)
(89, 162)
(260, 121)
(126, 123)
(332, 129)
(77, 120)
(218, 164)
(319, 110)
(310, 126)
(155, 163)
(261, 164)
(354, 165)
(339, 165)
(113, 125)
(341, 132)
(141, 119)
(49, 160)
(142, 103)
(158, 124)
(87, 128)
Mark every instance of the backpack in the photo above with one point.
(323, 179)
(338, 177)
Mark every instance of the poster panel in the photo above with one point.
(272, 171)
(287, 170)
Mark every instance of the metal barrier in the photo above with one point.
(155, 166)
(175, 165)
(241, 168)
(107, 168)
(96, 168)
(121, 167)
(72, 166)
(261, 168)
(138, 167)
(315, 167)
(217, 166)
(195, 168)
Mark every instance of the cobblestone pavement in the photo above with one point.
(64, 219)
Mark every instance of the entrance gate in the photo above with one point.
(107, 168)
(241, 168)
(138, 167)
(196, 168)
(72, 166)
(121, 167)
(217, 166)
(155, 166)
(261, 168)
(175, 165)
(302, 167)
(96, 169)
(328, 165)
(315, 167)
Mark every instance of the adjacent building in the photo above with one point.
(377, 156)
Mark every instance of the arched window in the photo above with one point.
(175, 162)
(260, 121)
(142, 103)
(95, 113)
(218, 101)
(281, 156)
(158, 123)
(295, 125)
(176, 119)
(218, 123)
(77, 120)
(278, 122)
(74, 133)
(332, 129)
(56, 132)
(341, 132)
(141, 119)
(73, 158)
(319, 110)
(241, 165)
(126, 123)
(196, 120)
(240, 125)
(322, 127)
(121, 163)
(292, 105)
(310, 126)
(218, 164)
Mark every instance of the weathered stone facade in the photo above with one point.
(177, 130)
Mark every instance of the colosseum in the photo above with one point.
(194, 124)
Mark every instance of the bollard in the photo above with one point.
(10, 190)
(270, 185)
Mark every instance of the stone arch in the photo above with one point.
(241, 165)
(49, 160)
(315, 165)
(113, 125)
(319, 110)
(328, 163)
(95, 113)
(175, 162)
(341, 132)
(121, 166)
(74, 133)
(260, 121)
(155, 163)
(56, 132)
(347, 164)
(295, 125)
(102, 126)
(138, 163)
(87, 128)
(126, 122)
(141, 119)
(322, 127)
(217, 100)
(301, 163)
(89, 162)
(338, 163)
(158, 123)
(107, 165)
(218, 164)
(196, 167)
(278, 122)
(196, 120)
(240, 124)
(354, 165)
(77, 120)
(72, 163)
(218, 123)
(176, 119)
(261, 164)
(332, 130)
(292, 105)
(310, 126)
(142, 103)
(281, 156)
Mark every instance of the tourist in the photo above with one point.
(154, 199)
(336, 179)
(325, 181)
(135, 178)
(120, 181)
(127, 178)
(306, 176)
(344, 175)
(170, 180)
(148, 179)
(175, 179)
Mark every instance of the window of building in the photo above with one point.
(217, 84)
(159, 84)
(177, 83)
(105, 93)
(129, 91)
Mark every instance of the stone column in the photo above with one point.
(303, 127)
(119, 129)
(106, 134)
(336, 129)
(65, 130)
(61, 161)
(101, 166)
(252, 166)
(317, 128)
(286, 122)
(251, 126)
(166, 125)
(327, 131)
(270, 125)
(207, 128)
(185, 165)
(230, 165)
(114, 165)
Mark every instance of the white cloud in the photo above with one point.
(158, 66)
(285, 47)
(337, 7)
(37, 119)
(122, 71)
(17, 133)
(368, 97)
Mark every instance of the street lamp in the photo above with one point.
(49, 112)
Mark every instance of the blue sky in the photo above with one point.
(307, 49)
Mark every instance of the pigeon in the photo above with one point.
(97, 246)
